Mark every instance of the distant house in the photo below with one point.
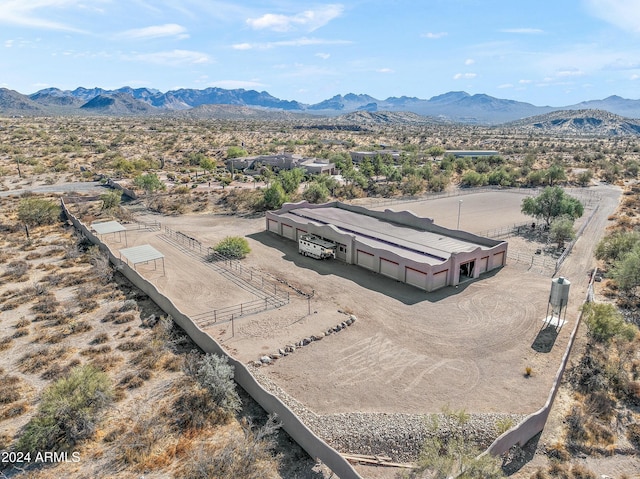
(475, 154)
(358, 156)
(283, 161)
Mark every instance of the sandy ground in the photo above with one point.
(409, 351)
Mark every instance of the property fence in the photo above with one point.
(232, 312)
(291, 423)
(569, 247)
(534, 261)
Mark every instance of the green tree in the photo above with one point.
(274, 196)
(435, 151)
(555, 174)
(37, 211)
(552, 203)
(149, 182)
(473, 178)
(561, 230)
(111, 199)
(236, 152)
(69, 411)
(614, 246)
(291, 179)
(316, 193)
(584, 177)
(233, 247)
(207, 164)
(626, 271)
(536, 178)
(605, 322)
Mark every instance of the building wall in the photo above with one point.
(351, 250)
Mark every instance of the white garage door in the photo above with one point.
(274, 226)
(484, 264)
(366, 260)
(389, 268)
(299, 233)
(439, 279)
(498, 259)
(416, 278)
(288, 232)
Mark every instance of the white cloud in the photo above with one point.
(506, 85)
(173, 57)
(23, 13)
(624, 14)
(525, 82)
(8, 43)
(570, 73)
(156, 31)
(634, 77)
(308, 20)
(465, 76)
(385, 70)
(235, 84)
(433, 35)
(324, 56)
(526, 31)
(469, 61)
(298, 42)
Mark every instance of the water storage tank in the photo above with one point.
(559, 292)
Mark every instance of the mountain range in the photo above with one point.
(455, 106)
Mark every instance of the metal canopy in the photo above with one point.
(142, 254)
(107, 227)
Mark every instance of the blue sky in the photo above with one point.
(544, 52)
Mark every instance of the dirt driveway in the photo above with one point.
(408, 351)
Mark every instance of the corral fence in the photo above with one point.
(270, 293)
(291, 423)
(569, 247)
(232, 312)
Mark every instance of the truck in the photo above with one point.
(314, 247)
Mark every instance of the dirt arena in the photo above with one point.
(409, 351)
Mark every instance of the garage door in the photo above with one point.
(299, 233)
(366, 260)
(484, 264)
(288, 232)
(439, 280)
(416, 278)
(389, 268)
(274, 226)
(498, 259)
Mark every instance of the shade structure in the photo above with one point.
(142, 254)
(107, 227)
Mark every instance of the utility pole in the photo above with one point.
(459, 207)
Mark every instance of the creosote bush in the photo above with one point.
(215, 374)
(69, 411)
(234, 247)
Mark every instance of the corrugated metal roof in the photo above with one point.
(107, 227)
(141, 254)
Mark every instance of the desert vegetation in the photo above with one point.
(90, 378)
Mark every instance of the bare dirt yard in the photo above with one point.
(408, 351)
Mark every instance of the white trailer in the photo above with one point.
(309, 245)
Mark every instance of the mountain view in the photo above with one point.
(456, 106)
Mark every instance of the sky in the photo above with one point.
(545, 52)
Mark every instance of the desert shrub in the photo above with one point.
(215, 374)
(233, 247)
(576, 425)
(578, 471)
(46, 304)
(316, 193)
(17, 269)
(194, 408)
(10, 391)
(248, 456)
(37, 211)
(68, 412)
(100, 338)
(5, 343)
(111, 199)
(605, 322)
(633, 434)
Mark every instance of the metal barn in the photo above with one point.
(396, 244)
